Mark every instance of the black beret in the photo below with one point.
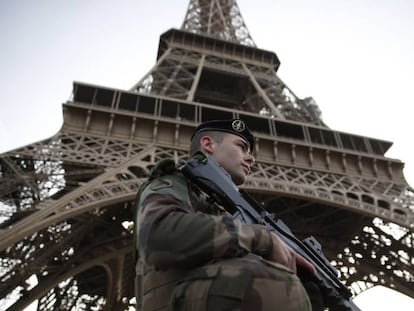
(232, 126)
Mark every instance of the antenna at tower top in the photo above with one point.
(217, 18)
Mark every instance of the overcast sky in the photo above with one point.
(354, 57)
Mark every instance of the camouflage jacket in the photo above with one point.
(179, 230)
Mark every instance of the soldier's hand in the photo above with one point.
(284, 255)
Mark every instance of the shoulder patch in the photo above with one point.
(158, 184)
(174, 185)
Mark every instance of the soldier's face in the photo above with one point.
(233, 154)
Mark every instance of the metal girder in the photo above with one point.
(221, 19)
(75, 216)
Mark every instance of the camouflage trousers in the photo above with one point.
(240, 284)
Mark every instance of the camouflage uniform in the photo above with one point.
(194, 256)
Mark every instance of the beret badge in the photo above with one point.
(238, 125)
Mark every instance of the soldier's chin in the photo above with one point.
(239, 179)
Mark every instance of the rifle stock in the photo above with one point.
(210, 177)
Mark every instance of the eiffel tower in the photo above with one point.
(66, 202)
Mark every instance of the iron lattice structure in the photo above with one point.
(67, 201)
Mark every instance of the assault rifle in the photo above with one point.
(211, 178)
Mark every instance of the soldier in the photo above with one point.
(194, 256)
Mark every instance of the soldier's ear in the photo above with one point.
(207, 144)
